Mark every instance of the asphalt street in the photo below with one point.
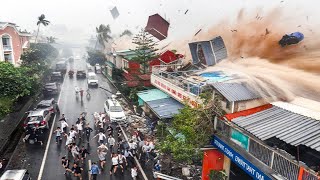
(71, 105)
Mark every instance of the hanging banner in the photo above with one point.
(240, 139)
(240, 161)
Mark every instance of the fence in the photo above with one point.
(277, 160)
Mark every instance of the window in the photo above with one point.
(6, 42)
(125, 64)
(228, 104)
(8, 57)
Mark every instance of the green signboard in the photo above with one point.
(239, 138)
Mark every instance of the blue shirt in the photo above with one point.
(94, 169)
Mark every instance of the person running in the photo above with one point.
(63, 118)
(75, 151)
(134, 173)
(102, 158)
(94, 171)
(110, 130)
(122, 161)
(58, 133)
(114, 165)
(133, 147)
(129, 157)
(69, 140)
(111, 142)
(146, 150)
(81, 93)
(80, 128)
(73, 133)
(76, 170)
(38, 133)
(88, 131)
(103, 147)
(64, 126)
(29, 130)
(83, 152)
(65, 164)
(101, 138)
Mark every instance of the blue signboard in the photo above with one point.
(239, 160)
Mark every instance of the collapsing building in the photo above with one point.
(157, 26)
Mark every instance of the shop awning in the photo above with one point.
(165, 108)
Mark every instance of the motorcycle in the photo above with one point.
(70, 73)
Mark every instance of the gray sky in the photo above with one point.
(75, 20)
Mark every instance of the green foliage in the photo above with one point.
(195, 125)
(217, 175)
(145, 50)
(126, 33)
(41, 20)
(103, 34)
(51, 40)
(95, 57)
(14, 81)
(6, 104)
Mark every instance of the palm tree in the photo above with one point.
(43, 21)
(103, 36)
(126, 32)
(51, 40)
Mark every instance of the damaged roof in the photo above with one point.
(235, 91)
(290, 127)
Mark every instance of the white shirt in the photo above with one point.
(114, 160)
(102, 156)
(73, 133)
(74, 149)
(151, 145)
(101, 136)
(111, 141)
(133, 145)
(64, 124)
(134, 172)
(79, 126)
(102, 146)
(121, 159)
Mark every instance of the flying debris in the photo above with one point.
(114, 12)
(157, 26)
(267, 31)
(198, 32)
(234, 30)
(299, 26)
(293, 38)
(186, 11)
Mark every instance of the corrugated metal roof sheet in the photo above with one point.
(152, 94)
(235, 91)
(165, 108)
(290, 127)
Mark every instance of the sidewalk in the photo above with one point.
(10, 124)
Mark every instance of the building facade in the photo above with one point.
(12, 42)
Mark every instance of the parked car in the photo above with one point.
(50, 105)
(51, 89)
(114, 110)
(89, 68)
(98, 68)
(92, 79)
(21, 174)
(61, 66)
(81, 74)
(38, 118)
(56, 76)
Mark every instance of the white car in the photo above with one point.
(92, 79)
(114, 110)
(98, 68)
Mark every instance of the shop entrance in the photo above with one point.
(237, 173)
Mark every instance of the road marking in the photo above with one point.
(50, 135)
(89, 165)
(135, 158)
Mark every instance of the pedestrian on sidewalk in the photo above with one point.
(102, 158)
(58, 133)
(88, 131)
(83, 151)
(111, 142)
(94, 171)
(101, 138)
(76, 170)
(65, 164)
(134, 173)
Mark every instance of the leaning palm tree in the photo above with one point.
(43, 21)
(51, 40)
(103, 36)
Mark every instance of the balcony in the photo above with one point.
(7, 48)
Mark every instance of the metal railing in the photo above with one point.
(178, 78)
(278, 160)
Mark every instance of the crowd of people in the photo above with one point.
(109, 141)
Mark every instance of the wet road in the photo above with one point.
(72, 106)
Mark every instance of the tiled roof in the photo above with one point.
(235, 91)
(290, 127)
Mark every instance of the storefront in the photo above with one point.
(238, 159)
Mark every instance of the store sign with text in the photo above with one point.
(240, 161)
(240, 139)
(174, 91)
